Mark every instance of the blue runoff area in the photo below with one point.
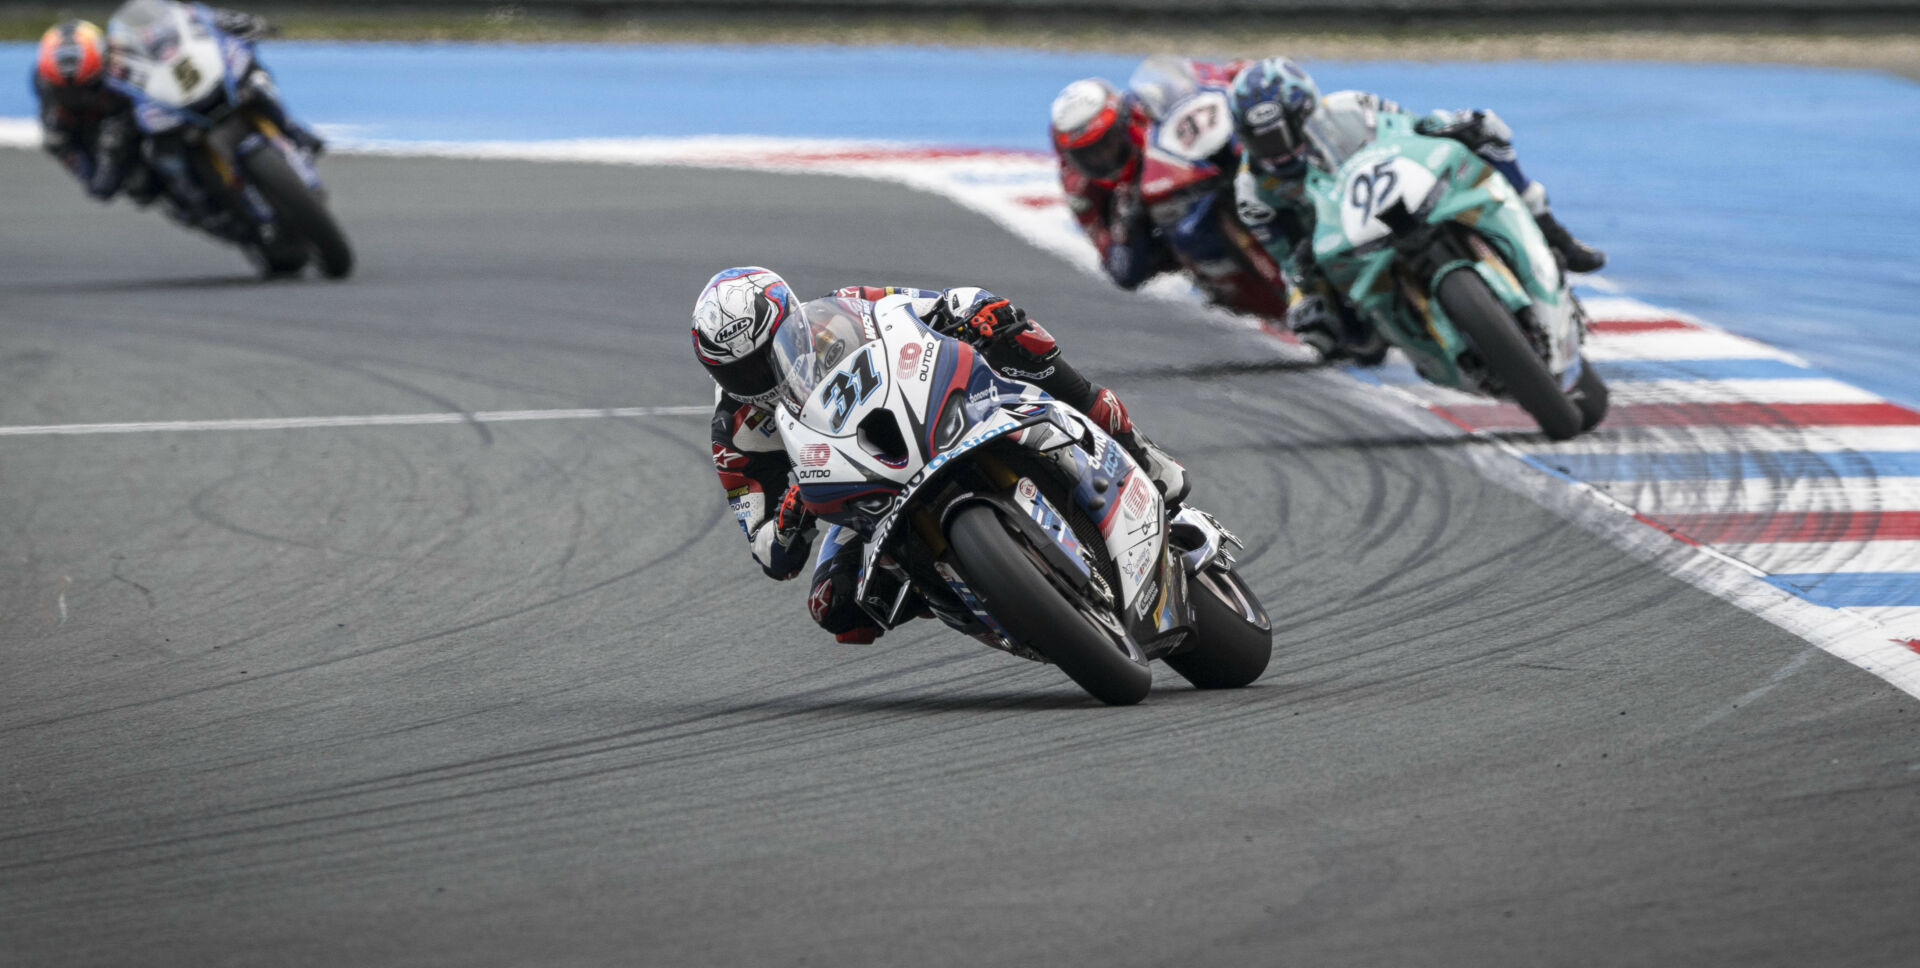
(1854, 588)
(1779, 202)
(1742, 465)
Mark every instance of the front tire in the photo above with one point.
(1487, 324)
(1230, 651)
(300, 210)
(1590, 395)
(1013, 590)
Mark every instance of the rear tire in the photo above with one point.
(1013, 590)
(1590, 395)
(1490, 327)
(1232, 652)
(300, 210)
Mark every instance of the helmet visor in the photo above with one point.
(1105, 156)
(749, 377)
(1276, 143)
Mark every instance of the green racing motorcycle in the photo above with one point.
(1435, 248)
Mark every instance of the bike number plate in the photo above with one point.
(1373, 186)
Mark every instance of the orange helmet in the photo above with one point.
(72, 54)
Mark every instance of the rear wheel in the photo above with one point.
(300, 210)
(1490, 327)
(1590, 395)
(1230, 650)
(1014, 591)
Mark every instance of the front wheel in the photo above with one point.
(1487, 324)
(1013, 590)
(1590, 395)
(1232, 640)
(299, 209)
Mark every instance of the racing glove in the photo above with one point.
(996, 316)
(793, 519)
(1475, 129)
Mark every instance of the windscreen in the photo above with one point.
(146, 29)
(1161, 81)
(1338, 130)
(807, 348)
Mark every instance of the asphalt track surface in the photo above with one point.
(514, 694)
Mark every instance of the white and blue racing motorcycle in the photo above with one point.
(208, 110)
(1007, 514)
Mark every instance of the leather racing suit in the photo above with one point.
(93, 136)
(754, 470)
(1131, 248)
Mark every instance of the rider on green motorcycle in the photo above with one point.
(1272, 100)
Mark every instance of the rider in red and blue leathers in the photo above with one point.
(1099, 135)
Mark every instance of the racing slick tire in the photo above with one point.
(300, 210)
(1491, 329)
(1230, 650)
(1590, 395)
(1013, 590)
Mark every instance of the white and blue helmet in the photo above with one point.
(733, 325)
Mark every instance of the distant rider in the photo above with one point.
(86, 121)
(734, 322)
(85, 124)
(1099, 134)
(1273, 101)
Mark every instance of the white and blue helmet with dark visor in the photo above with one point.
(1272, 100)
(733, 325)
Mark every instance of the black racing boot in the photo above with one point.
(1576, 255)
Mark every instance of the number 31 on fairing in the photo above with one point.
(850, 388)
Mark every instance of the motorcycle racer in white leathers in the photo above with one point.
(734, 320)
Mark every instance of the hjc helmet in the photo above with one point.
(1092, 123)
(1272, 100)
(733, 325)
(73, 60)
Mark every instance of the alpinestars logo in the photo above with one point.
(726, 458)
(815, 455)
(820, 601)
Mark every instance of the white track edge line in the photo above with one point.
(368, 420)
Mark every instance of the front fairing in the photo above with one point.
(861, 428)
(171, 60)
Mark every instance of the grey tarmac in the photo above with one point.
(513, 694)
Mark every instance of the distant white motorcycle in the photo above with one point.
(208, 110)
(1006, 513)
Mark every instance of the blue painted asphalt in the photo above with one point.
(1778, 202)
(1858, 589)
(1753, 369)
(1638, 466)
